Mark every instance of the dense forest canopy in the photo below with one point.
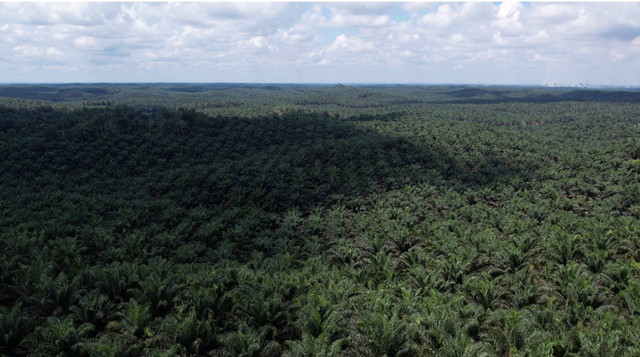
(308, 220)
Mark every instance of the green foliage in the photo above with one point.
(136, 317)
(62, 337)
(233, 220)
(14, 327)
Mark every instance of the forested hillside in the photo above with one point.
(269, 220)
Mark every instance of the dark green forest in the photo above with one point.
(309, 220)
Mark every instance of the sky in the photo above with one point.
(337, 42)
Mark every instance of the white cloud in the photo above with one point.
(344, 20)
(508, 18)
(200, 41)
(457, 38)
(418, 6)
(552, 14)
(27, 51)
(299, 33)
(85, 41)
(477, 11)
(351, 44)
(442, 18)
(54, 54)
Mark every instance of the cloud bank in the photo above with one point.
(505, 43)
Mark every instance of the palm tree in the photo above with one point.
(136, 317)
(14, 327)
(61, 336)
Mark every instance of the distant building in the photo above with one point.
(556, 84)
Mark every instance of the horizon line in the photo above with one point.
(543, 84)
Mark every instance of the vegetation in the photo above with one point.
(237, 220)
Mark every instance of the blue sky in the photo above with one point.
(487, 43)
